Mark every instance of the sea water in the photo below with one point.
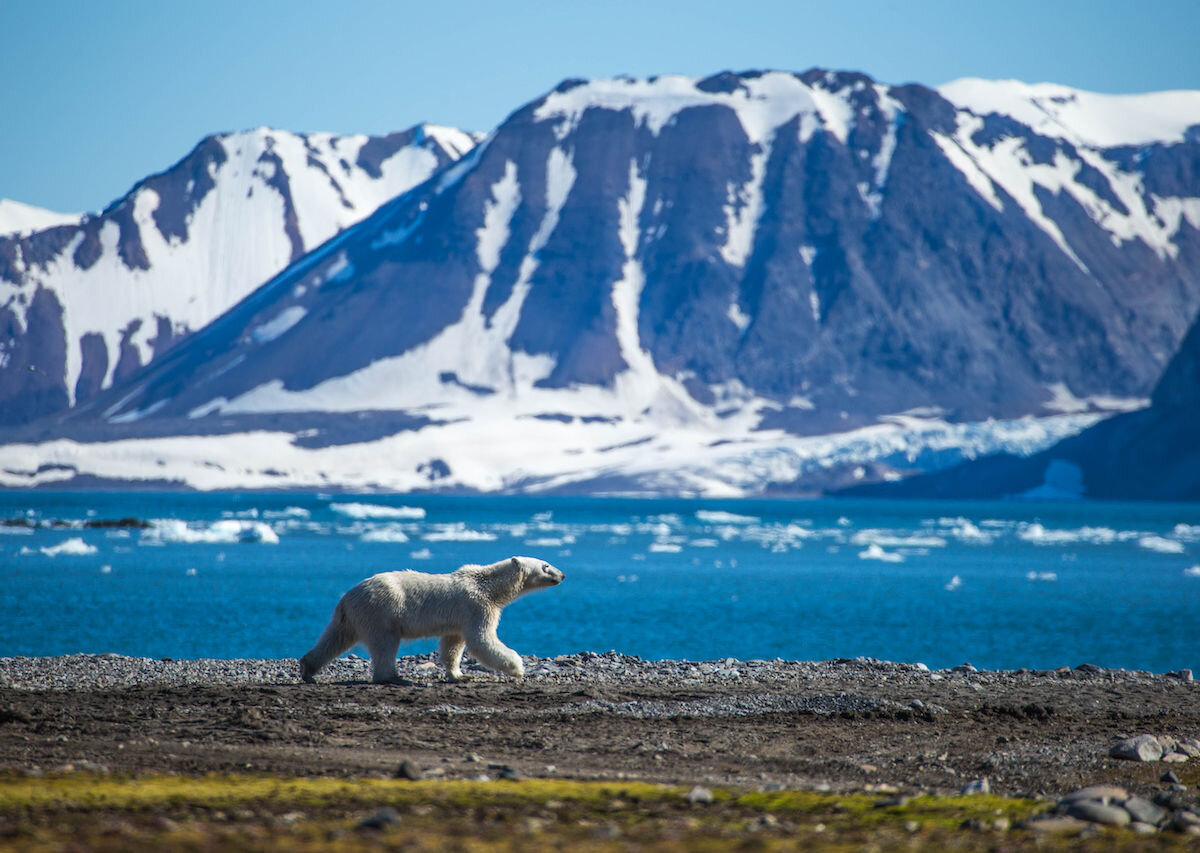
(234, 575)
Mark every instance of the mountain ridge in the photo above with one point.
(725, 274)
(182, 246)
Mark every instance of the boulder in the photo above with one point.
(1140, 748)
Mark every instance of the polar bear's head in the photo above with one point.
(535, 573)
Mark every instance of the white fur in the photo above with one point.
(463, 608)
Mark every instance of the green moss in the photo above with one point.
(269, 813)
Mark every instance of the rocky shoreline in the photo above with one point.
(95, 671)
(1098, 746)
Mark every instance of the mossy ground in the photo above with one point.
(102, 812)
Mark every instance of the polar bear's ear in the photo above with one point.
(516, 562)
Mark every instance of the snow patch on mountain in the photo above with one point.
(1126, 210)
(627, 293)
(743, 208)
(18, 218)
(762, 103)
(1089, 118)
(454, 142)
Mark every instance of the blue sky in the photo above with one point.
(99, 94)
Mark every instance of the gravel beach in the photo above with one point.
(836, 725)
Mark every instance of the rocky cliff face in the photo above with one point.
(1150, 454)
(85, 304)
(717, 269)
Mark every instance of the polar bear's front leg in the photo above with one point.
(450, 650)
(486, 648)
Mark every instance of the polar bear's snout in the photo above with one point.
(553, 576)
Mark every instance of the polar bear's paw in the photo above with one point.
(306, 673)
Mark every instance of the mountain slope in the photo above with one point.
(1150, 454)
(83, 305)
(748, 282)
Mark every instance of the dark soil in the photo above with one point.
(1028, 733)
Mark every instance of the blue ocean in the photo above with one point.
(999, 585)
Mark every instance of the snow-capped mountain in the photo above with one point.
(17, 218)
(749, 282)
(83, 304)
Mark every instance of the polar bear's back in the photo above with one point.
(412, 604)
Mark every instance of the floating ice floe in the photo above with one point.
(965, 530)
(955, 583)
(288, 512)
(421, 554)
(1039, 535)
(361, 510)
(1187, 531)
(1193, 572)
(550, 541)
(1041, 576)
(888, 539)
(1163, 546)
(72, 547)
(176, 531)
(458, 532)
(715, 516)
(665, 547)
(385, 534)
(875, 552)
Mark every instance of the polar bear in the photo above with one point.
(462, 607)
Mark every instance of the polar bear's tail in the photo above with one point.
(338, 636)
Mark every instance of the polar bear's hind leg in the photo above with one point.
(339, 636)
(383, 645)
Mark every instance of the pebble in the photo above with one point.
(1144, 811)
(979, 786)
(1186, 821)
(1056, 824)
(1101, 793)
(384, 817)
(409, 770)
(1097, 812)
(1110, 805)
(699, 794)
